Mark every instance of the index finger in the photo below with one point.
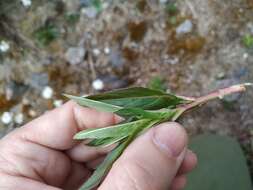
(56, 128)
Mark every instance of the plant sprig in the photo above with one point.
(141, 108)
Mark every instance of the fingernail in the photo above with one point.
(170, 138)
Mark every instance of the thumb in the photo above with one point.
(151, 161)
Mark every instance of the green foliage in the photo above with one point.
(46, 34)
(101, 106)
(172, 20)
(121, 130)
(142, 108)
(139, 97)
(221, 165)
(72, 18)
(104, 142)
(106, 165)
(248, 41)
(97, 4)
(138, 113)
(156, 83)
(171, 8)
(103, 168)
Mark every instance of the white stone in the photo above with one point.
(98, 84)
(245, 56)
(26, 3)
(185, 27)
(7, 118)
(58, 103)
(173, 61)
(75, 55)
(90, 12)
(4, 46)
(163, 1)
(47, 92)
(107, 50)
(19, 118)
(105, 5)
(250, 27)
(32, 113)
(96, 52)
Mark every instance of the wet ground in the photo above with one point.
(79, 47)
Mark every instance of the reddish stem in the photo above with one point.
(213, 95)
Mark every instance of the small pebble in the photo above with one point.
(90, 12)
(250, 27)
(58, 103)
(19, 118)
(185, 27)
(245, 56)
(75, 55)
(105, 5)
(98, 84)
(171, 60)
(32, 113)
(85, 3)
(163, 1)
(96, 52)
(25, 101)
(107, 50)
(26, 3)
(221, 75)
(47, 92)
(8, 94)
(7, 118)
(4, 46)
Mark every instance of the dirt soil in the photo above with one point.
(82, 47)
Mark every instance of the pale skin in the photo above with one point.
(43, 155)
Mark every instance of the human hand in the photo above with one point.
(42, 155)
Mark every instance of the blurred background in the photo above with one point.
(189, 47)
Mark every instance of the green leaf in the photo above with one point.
(106, 165)
(248, 41)
(140, 113)
(139, 97)
(106, 141)
(94, 104)
(221, 164)
(157, 83)
(121, 130)
(97, 4)
(104, 168)
(112, 140)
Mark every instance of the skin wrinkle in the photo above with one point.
(33, 174)
(130, 177)
(144, 170)
(16, 170)
(73, 117)
(6, 163)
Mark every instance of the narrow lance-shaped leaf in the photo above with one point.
(101, 106)
(140, 113)
(103, 168)
(106, 165)
(139, 97)
(111, 140)
(121, 130)
(106, 141)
